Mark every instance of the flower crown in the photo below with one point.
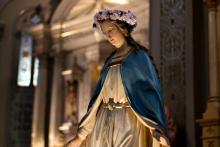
(114, 14)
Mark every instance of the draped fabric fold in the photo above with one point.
(143, 89)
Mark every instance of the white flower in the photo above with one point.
(114, 14)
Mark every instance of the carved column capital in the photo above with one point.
(212, 4)
(42, 38)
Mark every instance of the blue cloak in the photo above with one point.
(142, 87)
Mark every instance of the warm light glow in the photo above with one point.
(67, 72)
(66, 126)
(75, 31)
(51, 137)
(33, 135)
(98, 37)
(100, 67)
(37, 140)
(22, 12)
(121, 2)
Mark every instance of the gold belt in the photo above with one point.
(112, 105)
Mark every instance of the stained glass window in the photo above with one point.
(36, 71)
(25, 59)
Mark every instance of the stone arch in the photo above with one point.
(69, 14)
(62, 10)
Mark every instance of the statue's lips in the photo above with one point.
(112, 41)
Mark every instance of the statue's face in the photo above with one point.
(112, 33)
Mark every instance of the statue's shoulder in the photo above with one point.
(109, 57)
(139, 53)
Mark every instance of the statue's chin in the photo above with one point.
(116, 45)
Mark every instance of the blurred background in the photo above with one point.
(50, 59)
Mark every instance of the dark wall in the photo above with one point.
(200, 40)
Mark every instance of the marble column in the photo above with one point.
(41, 36)
(211, 117)
(39, 106)
(56, 115)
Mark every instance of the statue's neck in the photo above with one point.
(123, 50)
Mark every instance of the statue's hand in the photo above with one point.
(164, 142)
(75, 142)
(161, 138)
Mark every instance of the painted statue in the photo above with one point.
(127, 106)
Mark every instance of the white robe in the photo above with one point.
(118, 128)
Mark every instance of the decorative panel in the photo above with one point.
(172, 57)
(21, 120)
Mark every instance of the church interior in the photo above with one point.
(51, 57)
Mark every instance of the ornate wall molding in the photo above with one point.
(173, 58)
(173, 49)
(212, 4)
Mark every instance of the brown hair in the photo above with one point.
(126, 30)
